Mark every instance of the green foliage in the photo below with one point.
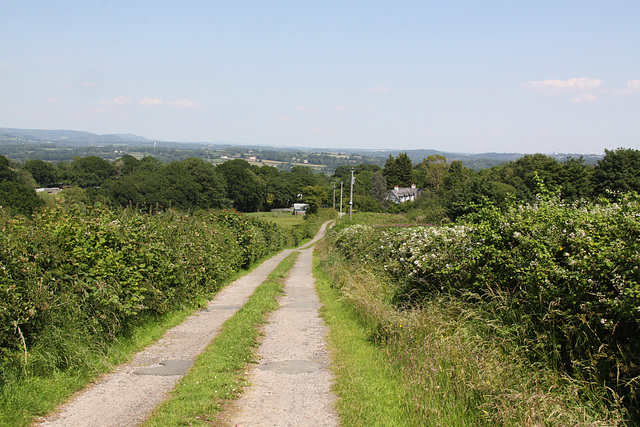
(44, 173)
(19, 198)
(566, 278)
(398, 171)
(619, 170)
(445, 362)
(14, 194)
(315, 197)
(91, 171)
(243, 186)
(89, 274)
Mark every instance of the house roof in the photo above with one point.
(405, 191)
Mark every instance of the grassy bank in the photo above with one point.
(218, 373)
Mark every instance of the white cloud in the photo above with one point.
(633, 85)
(88, 84)
(154, 102)
(182, 103)
(576, 84)
(584, 97)
(121, 100)
(341, 108)
(302, 108)
(380, 89)
(285, 118)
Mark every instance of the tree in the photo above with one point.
(379, 188)
(243, 186)
(6, 173)
(277, 193)
(150, 164)
(213, 192)
(91, 171)
(432, 172)
(398, 171)
(404, 168)
(575, 179)
(456, 176)
(44, 173)
(126, 165)
(314, 196)
(19, 198)
(619, 170)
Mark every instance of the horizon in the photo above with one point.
(291, 147)
(457, 77)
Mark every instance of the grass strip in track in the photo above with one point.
(369, 394)
(217, 375)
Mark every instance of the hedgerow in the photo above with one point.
(89, 274)
(563, 277)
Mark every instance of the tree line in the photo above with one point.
(449, 189)
(190, 184)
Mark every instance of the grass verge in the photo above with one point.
(369, 392)
(217, 375)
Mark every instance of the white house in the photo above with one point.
(404, 194)
(300, 208)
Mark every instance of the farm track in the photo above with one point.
(127, 396)
(291, 385)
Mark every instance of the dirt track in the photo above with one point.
(293, 366)
(291, 384)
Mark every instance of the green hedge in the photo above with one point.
(91, 273)
(564, 277)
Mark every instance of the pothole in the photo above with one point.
(167, 368)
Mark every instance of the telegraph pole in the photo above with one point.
(334, 195)
(341, 182)
(351, 196)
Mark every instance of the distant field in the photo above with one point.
(275, 163)
(288, 221)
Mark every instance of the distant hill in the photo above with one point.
(80, 139)
(68, 136)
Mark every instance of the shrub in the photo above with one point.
(565, 278)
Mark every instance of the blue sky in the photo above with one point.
(459, 76)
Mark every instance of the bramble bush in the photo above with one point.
(89, 274)
(563, 277)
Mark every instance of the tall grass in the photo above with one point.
(457, 365)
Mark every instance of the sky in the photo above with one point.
(458, 76)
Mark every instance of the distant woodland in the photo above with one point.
(190, 182)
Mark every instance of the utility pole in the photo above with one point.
(341, 182)
(334, 194)
(351, 197)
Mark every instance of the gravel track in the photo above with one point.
(126, 396)
(291, 386)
